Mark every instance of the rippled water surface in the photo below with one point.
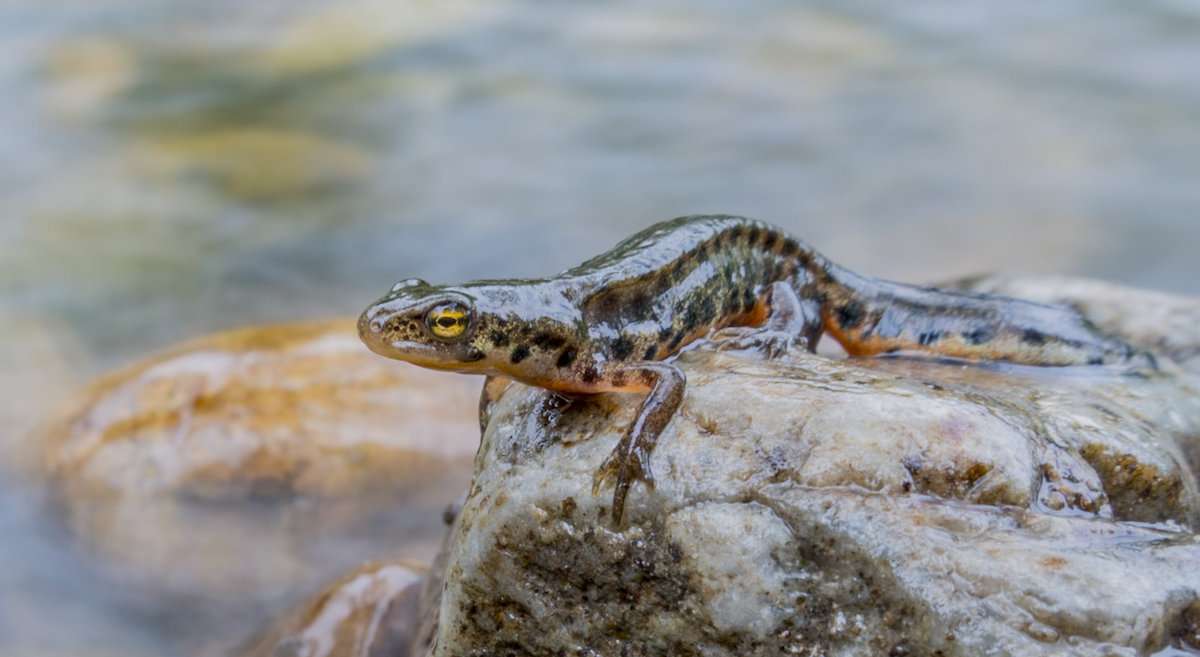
(174, 168)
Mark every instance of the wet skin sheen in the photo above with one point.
(614, 322)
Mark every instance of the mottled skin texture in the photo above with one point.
(611, 323)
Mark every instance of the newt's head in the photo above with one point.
(423, 324)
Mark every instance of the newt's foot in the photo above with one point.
(551, 408)
(770, 343)
(629, 463)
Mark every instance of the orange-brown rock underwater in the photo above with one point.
(242, 468)
(371, 611)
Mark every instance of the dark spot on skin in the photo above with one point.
(771, 240)
(519, 353)
(618, 379)
(735, 233)
(472, 355)
(640, 303)
(735, 302)
(850, 315)
(677, 269)
(752, 235)
(589, 374)
(701, 251)
(676, 340)
(548, 341)
(871, 326)
(790, 247)
(691, 318)
(748, 300)
(567, 357)
(978, 335)
(397, 327)
(1095, 360)
(665, 334)
(647, 377)
(1033, 337)
(651, 352)
(498, 338)
(622, 347)
(708, 309)
(926, 338)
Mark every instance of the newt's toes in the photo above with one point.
(630, 465)
(770, 343)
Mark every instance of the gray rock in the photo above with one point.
(813, 506)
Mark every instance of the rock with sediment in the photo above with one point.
(868, 506)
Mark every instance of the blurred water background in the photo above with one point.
(173, 168)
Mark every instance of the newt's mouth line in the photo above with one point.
(405, 348)
(420, 354)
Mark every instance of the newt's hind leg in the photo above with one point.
(790, 321)
(630, 460)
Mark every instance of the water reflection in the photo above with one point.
(177, 168)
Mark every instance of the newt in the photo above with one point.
(615, 322)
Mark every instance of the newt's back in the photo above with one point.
(678, 280)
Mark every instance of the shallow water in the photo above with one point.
(176, 168)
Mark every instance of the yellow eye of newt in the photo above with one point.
(447, 320)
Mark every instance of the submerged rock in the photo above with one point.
(257, 164)
(372, 611)
(811, 506)
(249, 463)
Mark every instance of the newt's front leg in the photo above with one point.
(493, 387)
(630, 460)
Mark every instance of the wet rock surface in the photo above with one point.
(851, 507)
(252, 463)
